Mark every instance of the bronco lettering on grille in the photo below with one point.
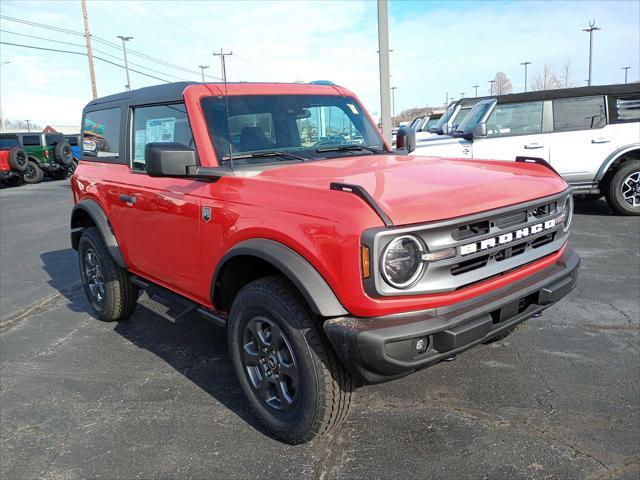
(505, 238)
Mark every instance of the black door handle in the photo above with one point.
(127, 198)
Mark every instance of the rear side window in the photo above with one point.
(31, 140)
(72, 140)
(9, 142)
(160, 123)
(515, 119)
(101, 133)
(579, 113)
(628, 107)
(54, 139)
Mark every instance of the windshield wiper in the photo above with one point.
(347, 148)
(268, 153)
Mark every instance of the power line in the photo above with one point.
(102, 52)
(105, 42)
(84, 55)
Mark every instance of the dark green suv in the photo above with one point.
(48, 153)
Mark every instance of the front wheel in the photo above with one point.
(290, 375)
(623, 193)
(33, 173)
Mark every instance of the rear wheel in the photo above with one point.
(32, 173)
(290, 375)
(107, 286)
(63, 154)
(623, 192)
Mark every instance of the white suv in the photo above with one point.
(590, 135)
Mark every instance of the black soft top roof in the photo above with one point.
(161, 93)
(617, 89)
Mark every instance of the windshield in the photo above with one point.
(474, 116)
(274, 128)
(444, 118)
(462, 114)
(431, 123)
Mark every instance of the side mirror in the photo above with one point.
(168, 159)
(406, 139)
(480, 130)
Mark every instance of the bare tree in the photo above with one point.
(565, 76)
(545, 80)
(501, 84)
(16, 124)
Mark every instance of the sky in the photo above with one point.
(438, 46)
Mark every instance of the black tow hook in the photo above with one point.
(450, 358)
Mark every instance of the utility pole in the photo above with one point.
(591, 29)
(223, 68)
(393, 102)
(525, 74)
(491, 88)
(126, 64)
(626, 70)
(461, 95)
(476, 87)
(202, 68)
(1, 104)
(383, 60)
(28, 126)
(87, 38)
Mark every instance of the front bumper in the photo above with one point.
(384, 348)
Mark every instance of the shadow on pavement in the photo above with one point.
(592, 207)
(189, 344)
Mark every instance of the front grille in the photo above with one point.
(485, 246)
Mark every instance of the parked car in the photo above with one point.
(328, 265)
(590, 135)
(48, 153)
(13, 161)
(448, 121)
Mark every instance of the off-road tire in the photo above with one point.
(18, 159)
(63, 154)
(33, 173)
(614, 194)
(324, 386)
(59, 174)
(120, 295)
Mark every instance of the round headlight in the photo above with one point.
(402, 261)
(567, 210)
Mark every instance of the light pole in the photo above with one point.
(202, 69)
(591, 29)
(393, 102)
(525, 74)
(626, 70)
(491, 87)
(383, 62)
(461, 95)
(28, 126)
(476, 87)
(126, 64)
(1, 104)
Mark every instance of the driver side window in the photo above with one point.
(515, 119)
(160, 123)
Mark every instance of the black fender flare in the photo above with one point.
(296, 268)
(95, 211)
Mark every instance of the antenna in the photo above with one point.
(223, 69)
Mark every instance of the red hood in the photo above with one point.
(422, 189)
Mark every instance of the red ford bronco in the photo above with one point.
(13, 161)
(279, 212)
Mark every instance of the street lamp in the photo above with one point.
(202, 68)
(126, 64)
(491, 88)
(525, 74)
(461, 95)
(28, 126)
(476, 87)
(1, 113)
(592, 28)
(626, 70)
(393, 101)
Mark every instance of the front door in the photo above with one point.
(513, 130)
(159, 218)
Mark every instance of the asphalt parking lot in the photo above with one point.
(151, 398)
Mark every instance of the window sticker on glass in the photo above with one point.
(140, 144)
(160, 130)
(353, 109)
